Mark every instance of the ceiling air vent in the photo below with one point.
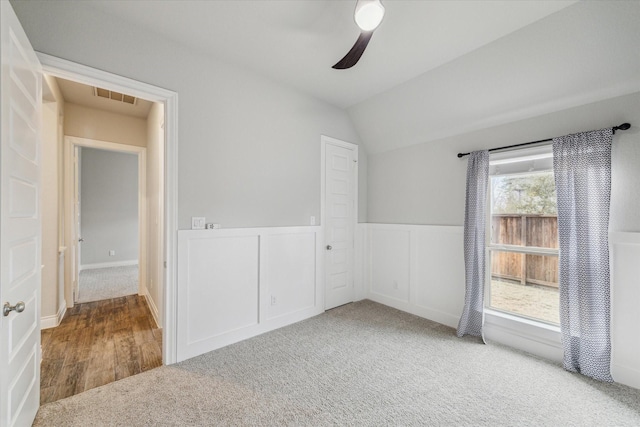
(116, 96)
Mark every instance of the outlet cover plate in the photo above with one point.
(198, 222)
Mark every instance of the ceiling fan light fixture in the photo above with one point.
(368, 14)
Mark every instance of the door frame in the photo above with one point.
(65, 69)
(324, 141)
(71, 143)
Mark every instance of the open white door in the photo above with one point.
(340, 180)
(20, 219)
(77, 239)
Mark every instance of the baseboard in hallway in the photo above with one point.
(98, 343)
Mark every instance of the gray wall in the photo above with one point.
(108, 206)
(249, 148)
(425, 183)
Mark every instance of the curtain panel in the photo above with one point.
(475, 217)
(582, 168)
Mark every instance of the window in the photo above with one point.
(523, 242)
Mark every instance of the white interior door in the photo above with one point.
(20, 223)
(76, 246)
(339, 218)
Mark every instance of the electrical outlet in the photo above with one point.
(215, 226)
(273, 300)
(395, 284)
(198, 222)
(112, 253)
(312, 220)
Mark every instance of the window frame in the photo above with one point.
(490, 248)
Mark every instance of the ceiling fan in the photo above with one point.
(368, 15)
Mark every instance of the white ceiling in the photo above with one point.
(81, 94)
(297, 42)
(585, 53)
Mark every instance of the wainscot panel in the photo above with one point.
(234, 284)
(625, 307)
(420, 269)
(416, 268)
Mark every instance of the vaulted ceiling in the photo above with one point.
(433, 69)
(297, 42)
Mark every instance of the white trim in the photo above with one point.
(71, 142)
(624, 250)
(529, 250)
(324, 140)
(533, 337)
(53, 320)
(152, 308)
(62, 68)
(97, 265)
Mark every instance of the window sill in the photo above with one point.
(522, 320)
(538, 338)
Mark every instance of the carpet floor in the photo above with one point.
(106, 283)
(360, 364)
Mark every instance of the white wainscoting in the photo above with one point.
(416, 268)
(420, 269)
(625, 307)
(237, 283)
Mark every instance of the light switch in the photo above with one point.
(198, 222)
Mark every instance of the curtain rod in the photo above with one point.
(623, 126)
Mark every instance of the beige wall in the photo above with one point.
(155, 209)
(85, 122)
(52, 118)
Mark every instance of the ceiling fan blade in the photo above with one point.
(353, 56)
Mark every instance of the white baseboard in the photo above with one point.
(432, 314)
(108, 264)
(153, 308)
(625, 375)
(54, 320)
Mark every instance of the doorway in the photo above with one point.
(101, 340)
(22, 218)
(339, 191)
(111, 329)
(106, 188)
(167, 207)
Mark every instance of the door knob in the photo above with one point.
(8, 308)
(329, 247)
(81, 240)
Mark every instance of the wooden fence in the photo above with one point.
(525, 230)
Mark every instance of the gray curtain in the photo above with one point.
(474, 243)
(582, 167)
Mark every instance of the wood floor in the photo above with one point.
(98, 343)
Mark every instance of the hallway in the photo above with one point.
(98, 343)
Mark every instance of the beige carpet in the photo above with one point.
(107, 283)
(360, 364)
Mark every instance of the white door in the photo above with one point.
(20, 242)
(77, 238)
(339, 218)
